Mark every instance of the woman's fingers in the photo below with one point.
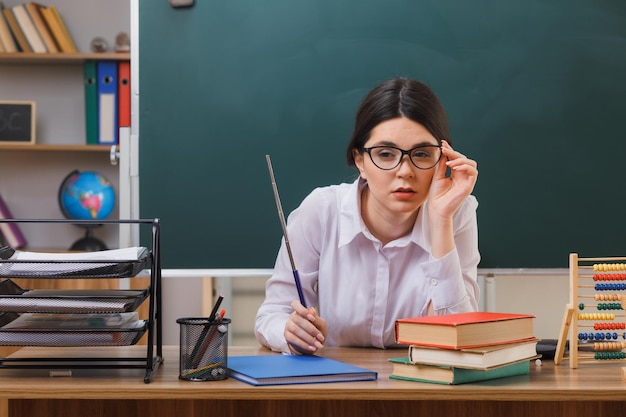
(302, 332)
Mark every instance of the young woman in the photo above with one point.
(400, 241)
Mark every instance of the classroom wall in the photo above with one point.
(545, 296)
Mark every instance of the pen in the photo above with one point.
(216, 306)
(194, 353)
(283, 223)
(210, 338)
(194, 373)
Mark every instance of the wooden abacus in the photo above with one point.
(597, 335)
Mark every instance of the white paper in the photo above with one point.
(72, 262)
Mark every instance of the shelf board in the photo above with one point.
(60, 58)
(60, 148)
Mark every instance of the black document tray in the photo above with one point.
(75, 269)
(16, 299)
(83, 336)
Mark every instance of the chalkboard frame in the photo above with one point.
(22, 108)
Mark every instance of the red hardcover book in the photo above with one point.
(11, 232)
(465, 330)
(123, 73)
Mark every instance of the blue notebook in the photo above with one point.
(293, 369)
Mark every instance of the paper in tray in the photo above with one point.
(14, 298)
(116, 263)
(74, 331)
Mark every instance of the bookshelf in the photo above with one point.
(60, 58)
(58, 148)
(55, 83)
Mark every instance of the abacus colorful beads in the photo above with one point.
(609, 326)
(609, 355)
(606, 297)
(596, 316)
(608, 306)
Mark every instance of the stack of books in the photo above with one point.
(32, 27)
(466, 347)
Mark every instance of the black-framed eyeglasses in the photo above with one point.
(389, 157)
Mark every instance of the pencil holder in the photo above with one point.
(203, 349)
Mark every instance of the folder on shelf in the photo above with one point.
(5, 34)
(124, 93)
(11, 231)
(90, 78)
(107, 103)
(34, 11)
(29, 29)
(16, 30)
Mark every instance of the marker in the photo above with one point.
(283, 223)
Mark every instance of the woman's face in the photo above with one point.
(404, 189)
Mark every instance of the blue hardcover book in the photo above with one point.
(294, 369)
(107, 103)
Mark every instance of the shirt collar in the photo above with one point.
(351, 223)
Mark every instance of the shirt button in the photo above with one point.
(434, 282)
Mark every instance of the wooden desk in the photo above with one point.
(547, 391)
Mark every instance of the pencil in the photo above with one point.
(209, 339)
(194, 358)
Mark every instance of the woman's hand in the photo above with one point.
(305, 331)
(448, 193)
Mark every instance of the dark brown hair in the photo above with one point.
(398, 97)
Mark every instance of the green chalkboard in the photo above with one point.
(535, 91)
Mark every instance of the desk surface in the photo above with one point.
(601, 382)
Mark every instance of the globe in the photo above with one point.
(86, 195)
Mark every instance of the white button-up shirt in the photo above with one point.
(359, 286)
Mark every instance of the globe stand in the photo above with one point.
(89, 243)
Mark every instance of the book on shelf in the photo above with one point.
(465, 330)
(34, 11)
(277, 369)
(16, 30)
(29, 29)
(405, 370)
(6, 38)
(58, 28)
(66, 32)
(11, 231)
(480, 358)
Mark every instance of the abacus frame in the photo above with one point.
(580, 270)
